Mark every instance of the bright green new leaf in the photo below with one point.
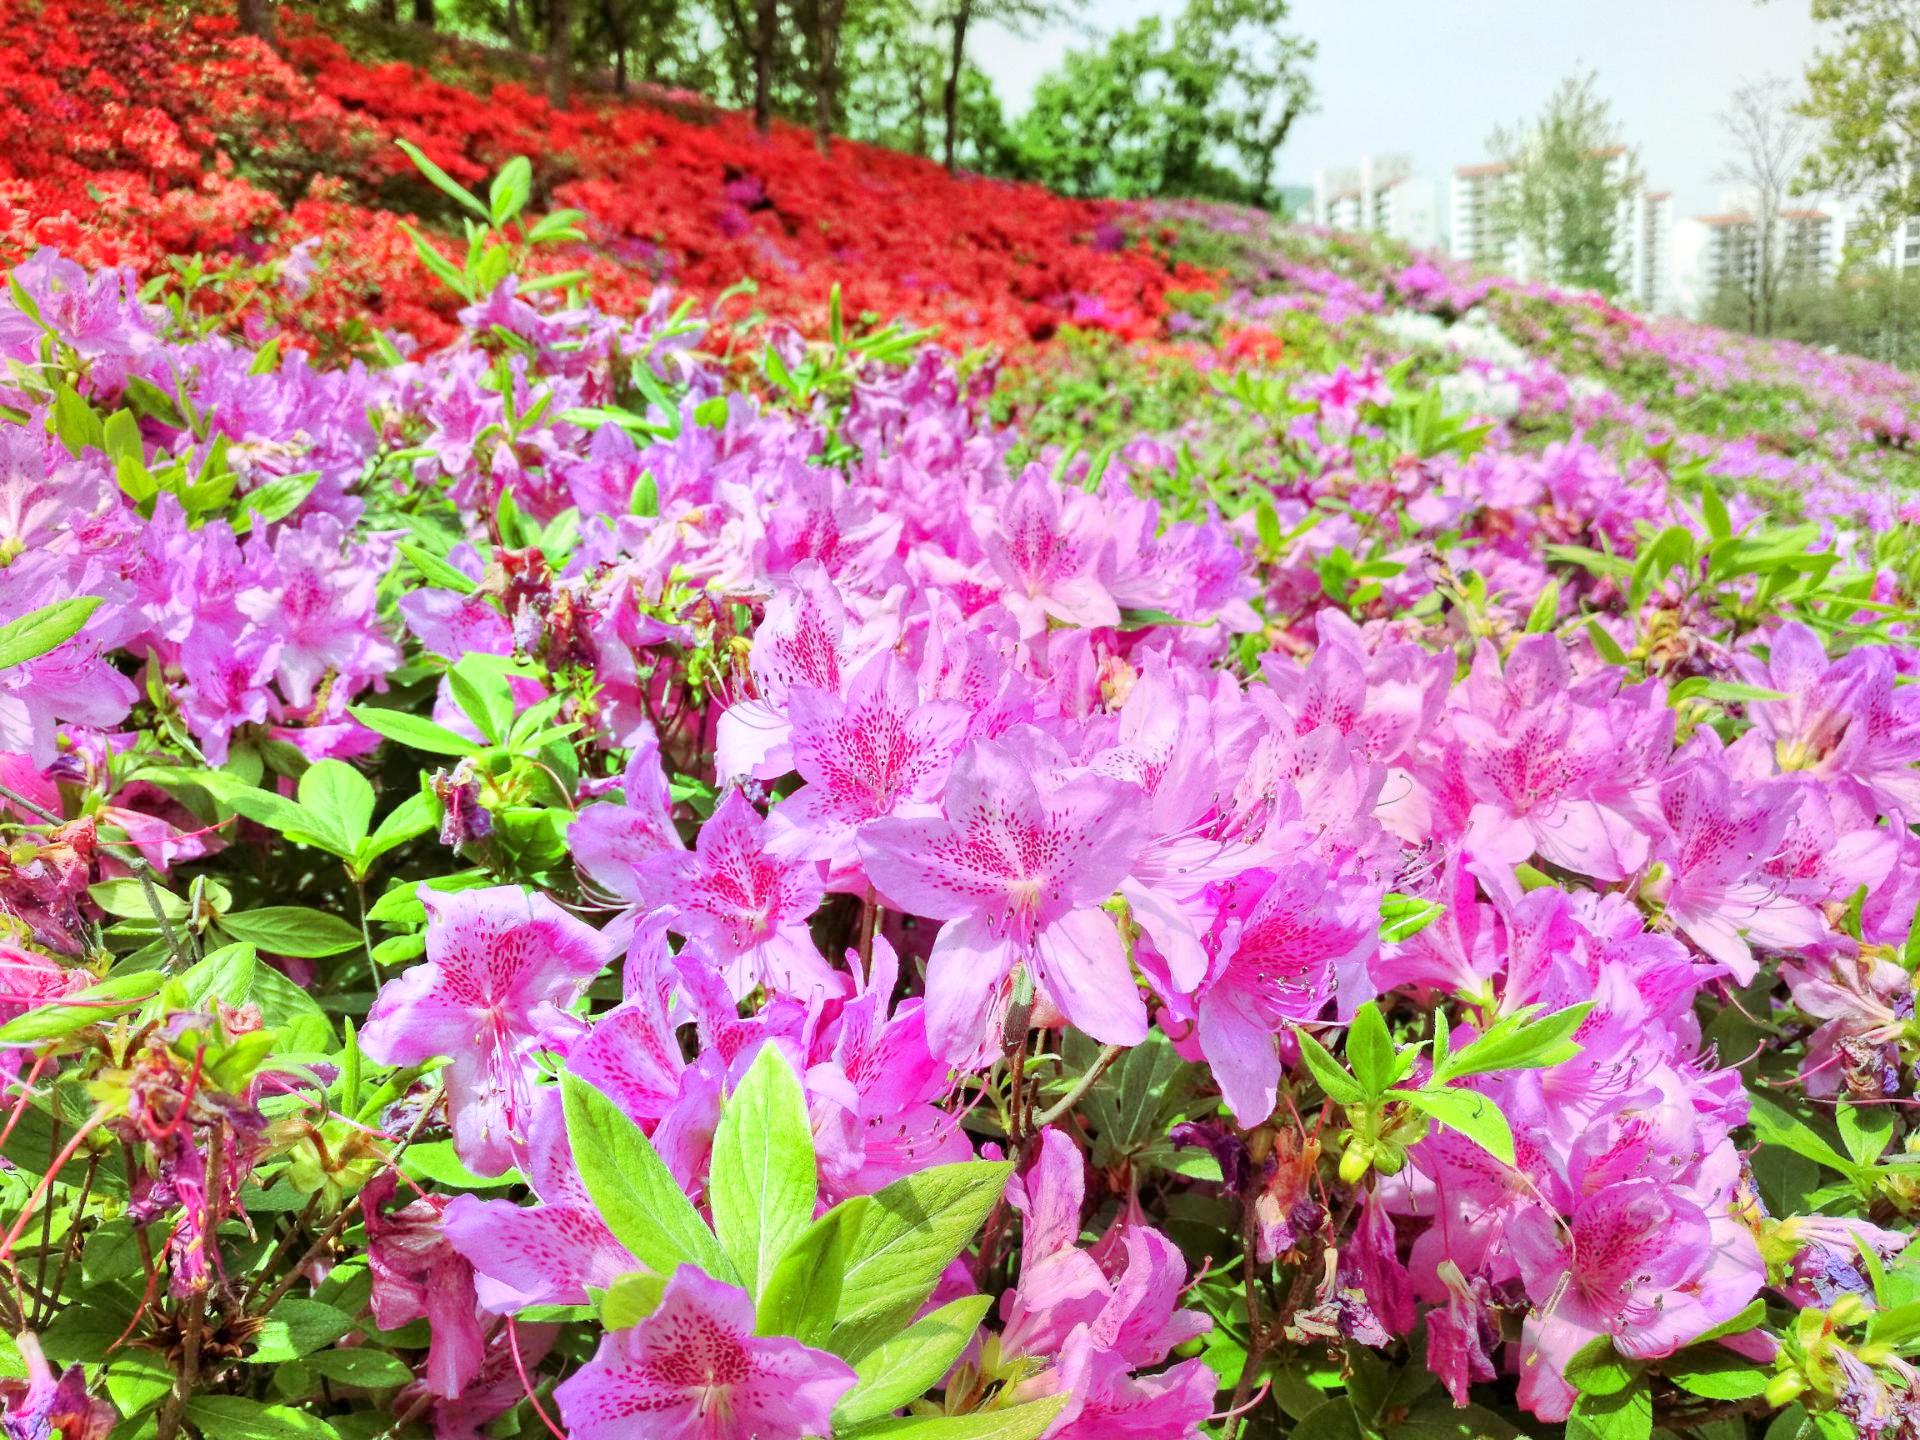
(1017, 1422)
(763, 1181)
(902, 1369)
(416, 732)
(914, 1229)
(638, 1198)
(292, 930)
(800, 1295)
(1471, 1113)
(45, 629)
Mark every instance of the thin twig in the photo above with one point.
(1108, 1054)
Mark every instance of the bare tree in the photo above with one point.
(1771, 141)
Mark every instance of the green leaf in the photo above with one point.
(631, 1299)
(137, 1379)
(511, 188)
(83, 1008)
(1469, 1112)
(442, 181)
(1754, 1314)
(45, 629)
(1545, 610)
(1404, 916)
(915, 1227)
(292, 930)
(1524, 1040)
(340, 799)
(363, 1368)
(1866, 1130)
(902, 1369)
(1016, 1422)
(1604, 645)
(1335, 1420)
(1329, 1072)
(413, 816)
(279, 497)
(1627, 1415)
(439, 572)
(234, 1417)
(763, 1181)
(630, 1185)
(800, 1293)
(436, 1160)
(416, 732)
(1598, 1369)
(1714, 511)
(298, 1327)
(1370, 1050)
(1776, 1126)
(480, 688)
(1717, 1374)
(226, 976)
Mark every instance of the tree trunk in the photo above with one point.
(559, 51)
(766, 17)
(423, 13)
(388, 12)
(256, 19)
(826, 82)
(950, 101)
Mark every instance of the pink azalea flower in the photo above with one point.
(418, 1274)
(873, 1085)
(1052, 550)
(1714, 891)
(1018, 870)
(1279, 939)
(747, 907)
(552, 1253)
(695, 1370)
(880, 751)
(1645, 1266)
(611, 842)
(807, 638)
(501, 966)
(1107, 1399)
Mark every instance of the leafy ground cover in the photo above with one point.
(1326, 852)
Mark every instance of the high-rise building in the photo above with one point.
(1476, 236)
(1643, 237)
(1380, 195)
(1811, 243)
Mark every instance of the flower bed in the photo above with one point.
(1340, 865)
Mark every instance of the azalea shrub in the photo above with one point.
(264, 186)
(1322, 873)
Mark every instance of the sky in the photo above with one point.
(1431, 78)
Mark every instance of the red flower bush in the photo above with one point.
(141, 133)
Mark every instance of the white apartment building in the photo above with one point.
(1813, 242)
(1644, 236)
(1381, 195)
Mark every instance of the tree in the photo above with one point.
(559, 51)
(1263, 87)
(1567, 185)
(961, 17)
(1160, 110)
(1863, 97)
(256, 18)
(1770, 141)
